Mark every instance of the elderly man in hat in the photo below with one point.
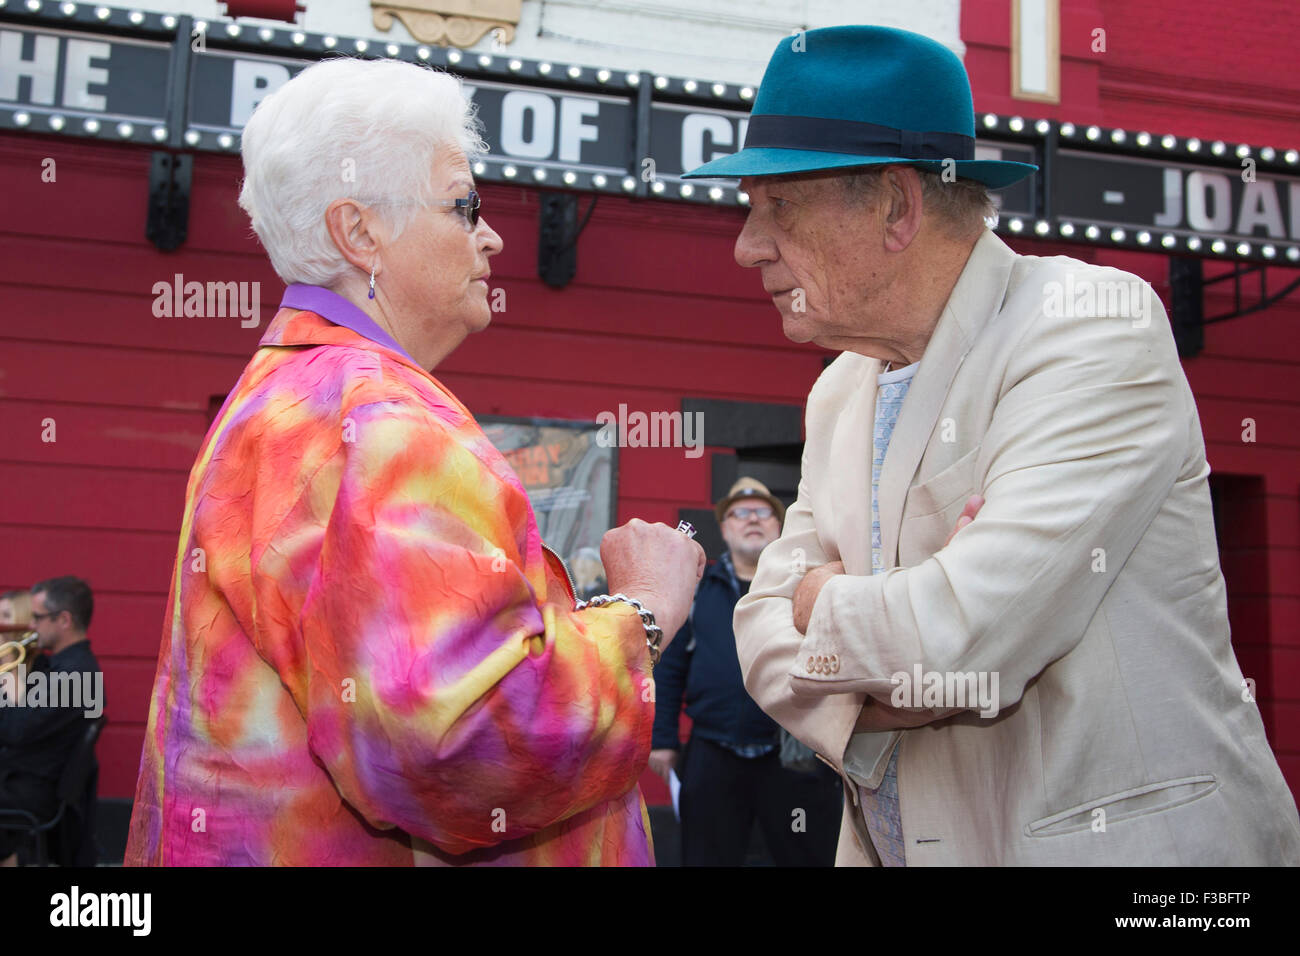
(1053, 683)
(732, 773)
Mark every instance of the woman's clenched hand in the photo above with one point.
(657, 565)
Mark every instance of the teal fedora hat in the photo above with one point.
(844, 97)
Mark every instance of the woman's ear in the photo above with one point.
(352, 227)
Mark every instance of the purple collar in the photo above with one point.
(333, 307)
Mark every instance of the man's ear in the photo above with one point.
(353, 228)
(901, 190)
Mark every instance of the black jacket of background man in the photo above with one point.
(701, 663)
(35, 742)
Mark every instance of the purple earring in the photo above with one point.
(372, 282)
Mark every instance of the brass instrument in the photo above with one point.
(18, 647)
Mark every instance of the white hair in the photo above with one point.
(963, 206)
(346, 128)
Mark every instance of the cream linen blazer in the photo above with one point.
(1089, 583)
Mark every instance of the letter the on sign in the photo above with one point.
(249, 83)
(695, 126)
(41, 69)
(79, 75)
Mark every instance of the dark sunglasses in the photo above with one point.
(469, 207)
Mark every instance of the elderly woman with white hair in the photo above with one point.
(369, 657)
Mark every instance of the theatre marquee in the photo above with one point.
(188, 86)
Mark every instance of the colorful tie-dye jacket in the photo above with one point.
(369, 658)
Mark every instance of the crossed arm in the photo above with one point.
(1090, 433)
(875, 716)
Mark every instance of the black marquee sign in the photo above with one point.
(180, 84)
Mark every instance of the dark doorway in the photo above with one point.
(1241, 526)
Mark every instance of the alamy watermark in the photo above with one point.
(626, 429)
(935, 689)
(77, 690)
(212, 300)
(1099, 298)
(78, 909)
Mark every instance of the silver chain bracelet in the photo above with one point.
(653, 632)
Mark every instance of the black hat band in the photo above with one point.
(855, 138)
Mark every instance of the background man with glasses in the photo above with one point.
(732, 773)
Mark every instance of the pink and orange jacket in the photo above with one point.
(369, 657)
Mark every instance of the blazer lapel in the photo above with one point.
(976, 298)
(849, 498)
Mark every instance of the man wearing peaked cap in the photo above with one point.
(732, 771)
(996, 608)
(744, 488)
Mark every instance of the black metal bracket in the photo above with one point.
(557, 239)
(178, 81)
(1187, 305)
(1046, 178)
(1238, 272)
(1187, 285)
(557, 254)
(167, 221)
(641, 144)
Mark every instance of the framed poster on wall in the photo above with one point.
(572, 484)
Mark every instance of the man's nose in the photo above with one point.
(753, 248)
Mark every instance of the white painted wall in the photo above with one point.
(727, 40)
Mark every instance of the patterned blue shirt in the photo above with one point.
(880, 807)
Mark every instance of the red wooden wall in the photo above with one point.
(658, 311)
(1202, 68)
